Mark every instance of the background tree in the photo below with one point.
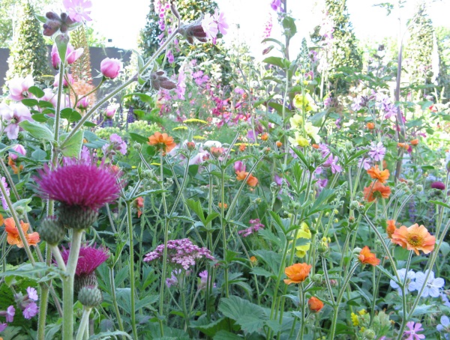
(28, 55)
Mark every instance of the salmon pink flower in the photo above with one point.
(391, 228)
(414, 238)
(297, 273)
(14, 236)
(366, 257)
(251, 180)
(162, 141)
(376, 173)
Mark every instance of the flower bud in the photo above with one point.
(369, 334)
(90, 296)
(51, 231)
(75, 217)
(193, 30)
(137, 146)
(111, 67)
(85, 280)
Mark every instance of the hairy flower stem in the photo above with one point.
(339, 299)
(68, 284)
(132, 276)
(404, 300)
(43, 303)
(224, 232)
(301, 296)
(114, 298)
(83, 323)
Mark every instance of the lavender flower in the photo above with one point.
(364, 163)
(173, 280)
(89, 260)
(30, 310)
(5, 185)
(255, 226)
(432, 285)
(9, 314)
(445, 300)
(444, 326)
(182, 253)
(410, 276)
(324, 150)
(377, 151)
(204, 280)
(32, 294)
(331, 162)
(3, 326)
(412, 332)
(79, 184)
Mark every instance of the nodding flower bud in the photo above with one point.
(56, 22)
(193, 30)
(159, 80)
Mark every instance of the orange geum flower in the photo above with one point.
(403, 145)
(216, 152)
(297, 273)
(377, 174)
(391, 228)
(315, 305)
(224, 205)
(162, 141)
(374, 191)
(370, 126)
(14, 236)
(253, 260)
(139, 204)
(278, 144)
(315, 146)
(265, 136)
(415, 142)
(366, 257)
(251, 180)
(414, 238)
(242, 147)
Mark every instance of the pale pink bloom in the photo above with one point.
(18, 148)
(30, 310)
(220, 19)
(32, 294)
(69, 76)
(72, 55)
(83, 103)
(210, 26)
(18, 88)
(111, 67)
(239, 166)
(199, 158)
(111, 110)
(13, 115)
(78, 10)
(56, 60)
(10, 312)
(48, 95)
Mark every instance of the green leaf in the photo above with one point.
(142, 96)
(89, 124)
(35, 272)
(225, 335)
(73, 146)
(210, 328)
(62, 40)
(36, 91)
(39, 117)
(138, 138)
(262, 272)
(271, 258)
(248, 315)
(71, 115)
(45, 104)
(108, 335)
(279, 108)
(440, 203)
(277, 61)
(289, 26)
(196, 206)
(38, 131)
(147, 302)
(274, 41)
(29, 102)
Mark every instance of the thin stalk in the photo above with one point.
(114, 299)
(132, 276)
(68, 284)
(43, 303)
(301, 295)
(84, 323)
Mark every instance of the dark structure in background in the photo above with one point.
(97, 55)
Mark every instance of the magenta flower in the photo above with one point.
(438, 185)
(239, 166)
(72, 55)
(111, 111)
(19, 149)
(181, 253)
(276, 5)
(78, 10)
(412, 332)
(255, 226)
(332, 162)
(377, 151)
(79, 183)
(56, 60)
(111, 67)
(5, 185)
(30, 310)
(90, 259)
(221, 22)
(204, 280)
(18, 88)
(32, 294)
(13, 115)
(83, 103)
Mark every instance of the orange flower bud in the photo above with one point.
(315, 305)
(279, 144)
(242, 147)
(265, 136)
(370, 126)
(415, 142)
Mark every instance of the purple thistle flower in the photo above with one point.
(412, 332)
(30, 310)
(79, 183)
(438, 185)
(90, 259)
(181, 253)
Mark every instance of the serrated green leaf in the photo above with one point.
(73, 147)
(38, 131)
(248, 315)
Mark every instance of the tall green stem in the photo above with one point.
(68, 284)
(132, 276)
(83, 323)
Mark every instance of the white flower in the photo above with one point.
(432, 286)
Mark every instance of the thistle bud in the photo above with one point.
(75, 217)
(51, 231)
(85, 280)
(90, 296)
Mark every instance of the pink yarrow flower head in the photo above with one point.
(81, 187)
(18, 88)
(78, 10)
(180, 253)
(412, 332)
(111, 67)
(13, 115)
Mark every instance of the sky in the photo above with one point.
(122, 21)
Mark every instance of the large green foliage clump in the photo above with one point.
(29, 55)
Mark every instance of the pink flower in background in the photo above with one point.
(65, 84)
(221, 22)
(83, 103)
(18, 149)
(18, 88)
(78, 10)
(111, 110)
(5, 185)
(9, 313)
(170, 57)
(239, 166)
(276, 5)
(32, 294)
(72, 55)
(3, 326)
(14, 114)
(209, 25)
(412, 332)
(111, 67)
(56, 60)
(30, 310)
